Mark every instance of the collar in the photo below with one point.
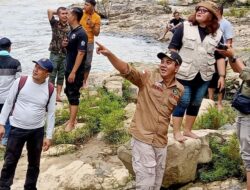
(157, 77)
(4, 53)
(171, 84)
(78, 27)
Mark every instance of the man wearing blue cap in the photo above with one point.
(10, 70)
(27, 104)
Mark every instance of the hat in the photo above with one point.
(92, 2)
(171, 55)
(211, 6)
(45, 64)
(4, 43)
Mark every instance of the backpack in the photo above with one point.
(21, 84)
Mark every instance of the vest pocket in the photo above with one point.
(210, 67)
(189, 43)
(185, 67)
(211, 47)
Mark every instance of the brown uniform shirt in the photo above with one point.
(155, 104)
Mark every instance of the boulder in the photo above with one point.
(114, 84)
(80, 175)
(182, 159)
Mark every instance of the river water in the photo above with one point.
(25, 22)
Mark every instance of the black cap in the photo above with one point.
(92, 2)
(45, 64)
(4, 43)
(171, 55)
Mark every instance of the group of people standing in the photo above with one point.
(27, 101)
(71, 48)
(175, 89)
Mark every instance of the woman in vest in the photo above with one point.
(196, 41)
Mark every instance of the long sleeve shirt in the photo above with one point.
(10, 70)
(30, 108)
(155, 104)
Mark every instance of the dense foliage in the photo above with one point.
(102, 112)
(214, 119)
(226, 161)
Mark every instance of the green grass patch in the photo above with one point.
(237, 12)
(2, 152)
(214, 119)
(226, 161)
(103, 112)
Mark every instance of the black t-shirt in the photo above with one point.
(78, 41)
(176, 42)
(176, 21)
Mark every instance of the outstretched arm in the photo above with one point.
(119, 64)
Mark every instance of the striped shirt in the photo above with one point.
(10, 69)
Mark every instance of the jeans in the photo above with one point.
(190, 102)
(7, 127)
(34, 142)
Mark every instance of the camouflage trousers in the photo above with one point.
(148, 164)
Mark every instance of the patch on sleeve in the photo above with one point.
(83, 43)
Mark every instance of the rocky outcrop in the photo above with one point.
(80, 175)
(182, 159)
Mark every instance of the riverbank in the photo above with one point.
(148, 19)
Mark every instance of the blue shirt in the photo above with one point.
(227, 29)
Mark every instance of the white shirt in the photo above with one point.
(30, 107)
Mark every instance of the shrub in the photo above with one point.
(112, 126)
(214, 119)
(226, 161)
(77, 136)
(103, 112)
(237, 12)
(126, 93)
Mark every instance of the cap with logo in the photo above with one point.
(4, 43)
(45, 64)
(209, 5)
(171, 55)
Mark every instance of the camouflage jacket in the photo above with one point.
(59, 32)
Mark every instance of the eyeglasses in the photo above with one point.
(202, 11)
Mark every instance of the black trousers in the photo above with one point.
(16, 141)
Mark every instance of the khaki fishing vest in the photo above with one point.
(197, 56)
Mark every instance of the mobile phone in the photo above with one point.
(222, 46)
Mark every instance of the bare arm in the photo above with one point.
(78, 62)
(51, 13)
(119, 64)
(95, 26)
(221, 66)
(96, 29)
